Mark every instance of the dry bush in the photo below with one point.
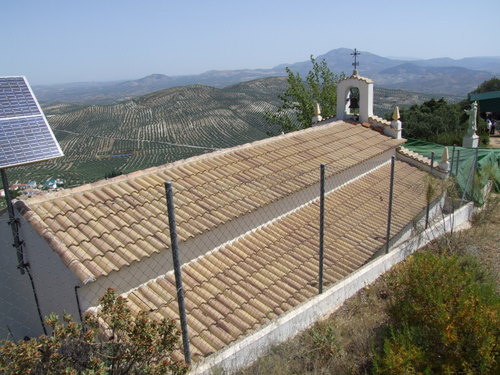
(446, 318)
(133, 345)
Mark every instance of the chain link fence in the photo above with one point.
(471, 168)
(322, 234)
(249, 251)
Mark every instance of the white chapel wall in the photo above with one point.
(54, 283)
(18, 314)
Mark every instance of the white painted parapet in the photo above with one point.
(423, 163)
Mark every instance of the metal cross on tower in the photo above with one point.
(355, 63)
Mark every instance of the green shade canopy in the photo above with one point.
(488, 101)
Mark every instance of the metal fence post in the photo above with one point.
(476, 160)
(177, 271)
(452, 161)
(389, 213)
(458, 162)
(321, 225)
(78, 305)
(432, 161)
(18, 243)
(428, 207)
(22, 266)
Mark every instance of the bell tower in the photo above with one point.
(346, 101)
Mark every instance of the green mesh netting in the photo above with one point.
(462, 163)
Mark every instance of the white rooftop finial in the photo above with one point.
(317, 113)
(395, 114)
(317, 109)
(444, 158)
(445, 165)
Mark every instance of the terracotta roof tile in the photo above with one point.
(246, 283)
(210, 190)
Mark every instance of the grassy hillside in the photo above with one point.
(165, 126)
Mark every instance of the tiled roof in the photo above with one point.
(252, 280)
(417, 157)
(360, 78)
(101, 227)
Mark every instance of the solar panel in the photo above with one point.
(25, 135)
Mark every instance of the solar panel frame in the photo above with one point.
(25, 134)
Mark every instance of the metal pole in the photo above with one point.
(427, 209)
(177, 271)
(432, 161)
(78, 304)
(476, 160)
(321, 225)
(389, 214)
(452, 160)
(428, 201)
(458, 162)
(18, 244)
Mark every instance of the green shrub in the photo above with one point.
(434, 121)
(448, 138)
(129, 345)
(446, 319)
(401, 355)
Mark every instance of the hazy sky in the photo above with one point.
(54, 41)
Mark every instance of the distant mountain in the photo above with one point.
(111, 92)
(435, 76)
(340, 60)
(152, 81)
(429, 79)
(487, 64)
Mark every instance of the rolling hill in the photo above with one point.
(430, 79)
(165, 126)
(153, 129)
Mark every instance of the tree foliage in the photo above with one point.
(297, 108)
(110, 342)
(434, 121)
(440, 122)
(113, 173)
(487, 86)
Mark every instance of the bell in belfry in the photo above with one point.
(353, 102)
